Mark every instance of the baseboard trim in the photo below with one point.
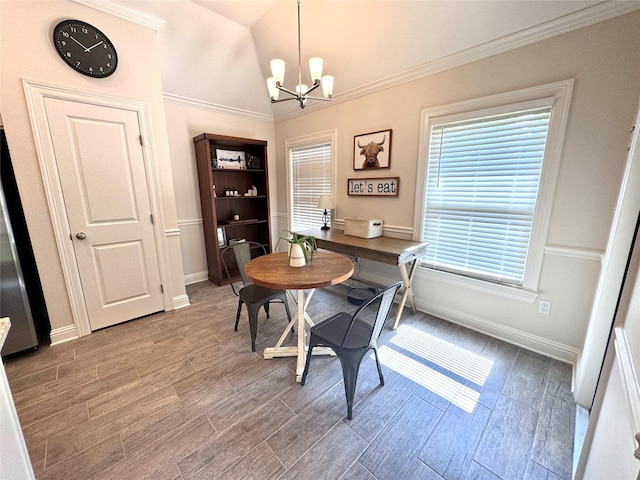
(63, 334)
(196, 277)
(382, 274)
(522, 339)
(181, 301)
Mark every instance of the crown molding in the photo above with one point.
(124, 12)
(574, 21)
(214, 107)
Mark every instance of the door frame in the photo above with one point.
(35, 94)
(590, 362)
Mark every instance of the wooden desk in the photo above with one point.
(392, 251)
(273, 271)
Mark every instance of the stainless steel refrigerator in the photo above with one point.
(20, 292)
(14, 302)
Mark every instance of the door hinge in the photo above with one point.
(161, 288)
(140, 138)
(151, 216)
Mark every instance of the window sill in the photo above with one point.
(513, 293)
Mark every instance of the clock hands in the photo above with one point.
(93, 46)
(85, 48)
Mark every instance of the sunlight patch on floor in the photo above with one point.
(449, 389)
(453, 358)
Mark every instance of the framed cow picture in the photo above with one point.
(372, 150)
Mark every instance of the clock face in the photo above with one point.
(85, 48)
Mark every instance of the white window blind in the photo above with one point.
(482, 185)
(311, 177)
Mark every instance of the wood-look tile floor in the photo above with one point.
(180, 395)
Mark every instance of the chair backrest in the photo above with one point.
(384, 299)
(242, 253)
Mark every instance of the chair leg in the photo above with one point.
(307, 363)
(253, 323)
(350, 367)
(240, 302)
(266, 309)
(375, 352)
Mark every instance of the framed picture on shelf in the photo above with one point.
(230, 159)
(222, 238)
(372, 150)
(253, 161)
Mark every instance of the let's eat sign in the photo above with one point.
(384, 187)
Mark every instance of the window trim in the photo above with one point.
(326, 136)
(558, 94)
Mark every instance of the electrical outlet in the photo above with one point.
(544, 307)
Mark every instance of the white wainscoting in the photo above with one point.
(194, 258)
(384, 274)
(629, 376)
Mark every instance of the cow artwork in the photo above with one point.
(375, 148)
(370, 152)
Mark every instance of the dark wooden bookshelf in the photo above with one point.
(218, 208)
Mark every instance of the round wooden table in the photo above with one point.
(273, 271)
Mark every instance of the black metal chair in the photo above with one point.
(254, 296)
(351, 336)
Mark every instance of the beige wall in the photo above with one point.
(185, 122)
(603, 59)
(28, 53)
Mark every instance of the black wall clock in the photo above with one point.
(85, 48)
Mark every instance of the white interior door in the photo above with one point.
(102, 174)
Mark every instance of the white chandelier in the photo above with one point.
(301, 94)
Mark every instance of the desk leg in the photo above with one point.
(407, 291)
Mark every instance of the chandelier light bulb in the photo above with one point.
(277, 70)
(315, 66)
(273, 90)
(327, 86)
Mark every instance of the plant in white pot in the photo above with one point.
(301, 248)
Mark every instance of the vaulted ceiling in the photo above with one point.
(218, 51)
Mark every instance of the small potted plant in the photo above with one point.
(299, 247)
(235, 215)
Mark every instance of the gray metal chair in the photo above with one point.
(254, 296)
(351, 336)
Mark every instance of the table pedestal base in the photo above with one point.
(302, 319)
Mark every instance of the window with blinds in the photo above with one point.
(310, 177)
(481, 189)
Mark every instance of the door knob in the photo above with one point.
(81, 235)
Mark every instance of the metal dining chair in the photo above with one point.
(252, 295)
(351, 336)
